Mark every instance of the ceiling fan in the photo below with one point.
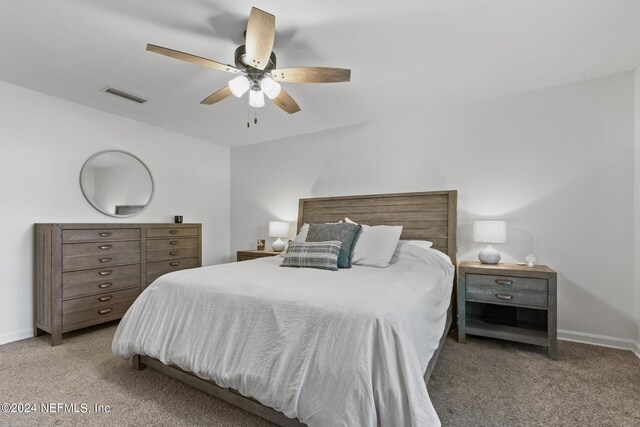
(256, 67)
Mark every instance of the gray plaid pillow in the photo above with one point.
(322, 255)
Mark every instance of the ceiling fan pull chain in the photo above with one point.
(255, 117)
(248, 123)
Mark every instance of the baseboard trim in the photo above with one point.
(600, 340)
(16, 336)
(564, 335)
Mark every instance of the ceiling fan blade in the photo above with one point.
(192, 58)
(261, 33)
(286, 102)
(311, 75)
(217, 96)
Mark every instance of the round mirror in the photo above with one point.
(116, 183)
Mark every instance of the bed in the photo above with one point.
(298, 346)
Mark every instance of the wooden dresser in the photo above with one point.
(87, 274)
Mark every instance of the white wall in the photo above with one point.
(636, 193)
(44, 142)
(556, 163)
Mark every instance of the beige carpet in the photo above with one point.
(481, 383)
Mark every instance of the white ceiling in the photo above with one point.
(404, 55)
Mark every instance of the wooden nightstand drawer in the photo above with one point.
(506, 297)
(253, 254)
(506, 283)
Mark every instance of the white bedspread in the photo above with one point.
(345, 348)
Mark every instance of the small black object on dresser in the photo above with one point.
(508, 301)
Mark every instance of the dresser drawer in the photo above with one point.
(505, 283)
(81, 312)
(99, 301)
(157, 269)
(519, 298)
(107, 248)
(169, 254)
(98, 235)
(103, 260)
(87, 282)
(176, 243)
(173, 232)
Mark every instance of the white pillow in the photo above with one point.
(411, 250)
(300, 238)
(419, 243)
(302, 235)
(376, 245)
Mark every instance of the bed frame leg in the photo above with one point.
(137, 364)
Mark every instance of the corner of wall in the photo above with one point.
(636, 205)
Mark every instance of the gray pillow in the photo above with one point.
(345, 233)
(323, 255)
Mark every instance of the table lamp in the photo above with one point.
(489, 232)
(278, 229)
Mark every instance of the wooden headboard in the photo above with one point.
(424, 216)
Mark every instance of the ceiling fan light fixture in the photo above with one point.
(256, 98)
(270, 87)
(239, 86)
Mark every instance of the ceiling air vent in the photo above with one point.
(125, 95)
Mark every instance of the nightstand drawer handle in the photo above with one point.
(174, 253)
(105, 273)
(105, 234)
(504, 282)
(104, 285)
(105, 247)
(105, 259)
(174, 231)
(174, 263)
(504, 297)
(107, 298)
(105, 310)
(174, 242)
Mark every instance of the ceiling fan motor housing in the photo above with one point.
(242, 62)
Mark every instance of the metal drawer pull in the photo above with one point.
(174, 263)
(174, 242)
(105, 247)
(105, 310)
(504, 282)
(107, 298)
(174, 231)
(105, 273)
(504, 297)
(105, 259)
(104, 285)
(174, 253)
(105, 234)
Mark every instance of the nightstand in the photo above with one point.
(253, 254)
(508, 301)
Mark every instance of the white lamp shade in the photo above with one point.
(278, 229)
(490, 231)
(239, 86)
(256, 98)
(270, 87)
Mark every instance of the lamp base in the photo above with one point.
(489, 255)
(278, 245)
